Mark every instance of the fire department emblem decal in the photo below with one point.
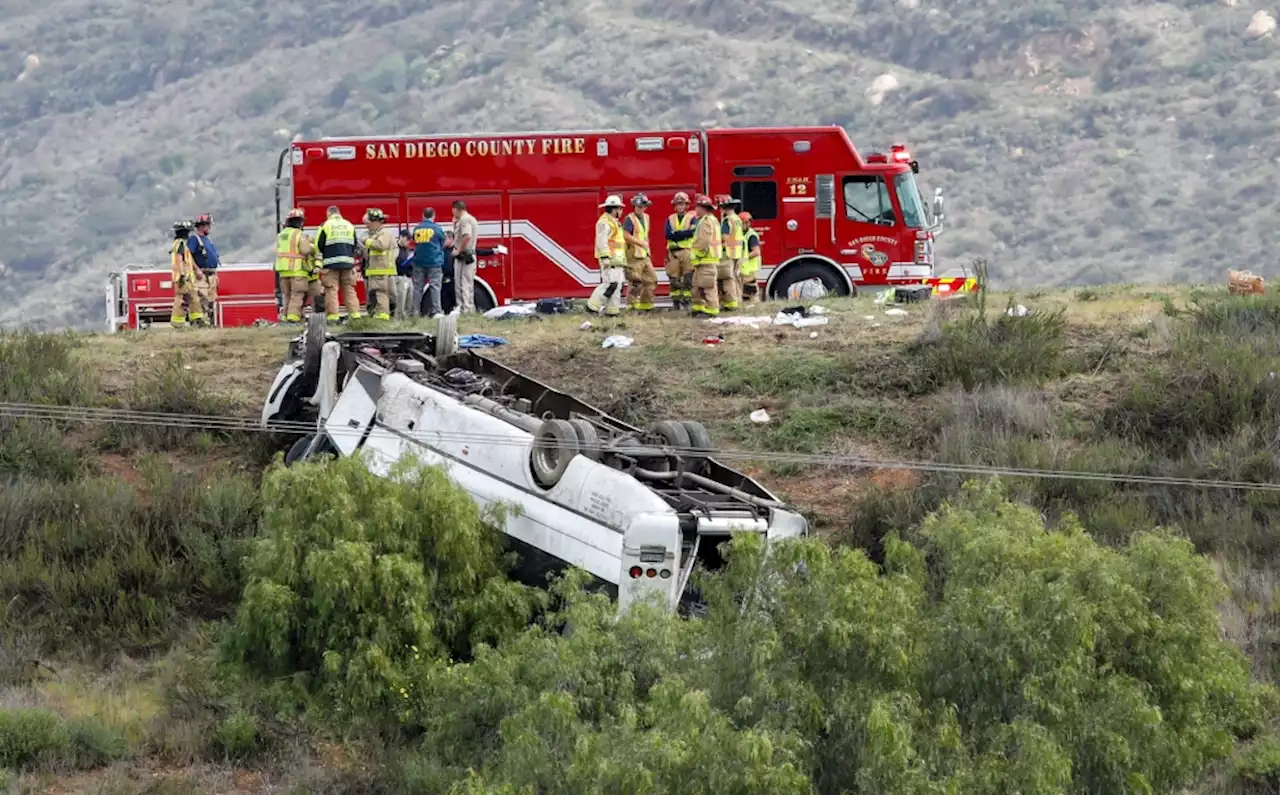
(876, 258)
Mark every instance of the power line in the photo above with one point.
(207, 422)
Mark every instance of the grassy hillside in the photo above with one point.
(1080, 143)
(186, 672)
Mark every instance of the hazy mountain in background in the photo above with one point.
(1078, 142)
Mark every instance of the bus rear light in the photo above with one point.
(635, 572)
(665, 574)
(651, 573)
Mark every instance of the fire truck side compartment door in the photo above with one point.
(553, 243)
(798, 216)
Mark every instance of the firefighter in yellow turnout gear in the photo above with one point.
(750, 270)
(640, 273)
(295, 260)
(380, 264)
(727, 274)
(679, 235)
(611, 254)
(186, 279)
(707, 253)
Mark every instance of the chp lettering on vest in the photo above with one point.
(499, 147)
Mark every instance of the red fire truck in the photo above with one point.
(823, 210)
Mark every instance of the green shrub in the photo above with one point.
(118, 566)
(31, 736)
(93, 744)
(172, 388)
(42, 369)
(358, 576)
(973, 351)
(237, 734)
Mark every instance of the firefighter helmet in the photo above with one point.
(614, 200)
(375, 215)
(703, 200)
(204, 220)
(183, 226)
(729, 201)
(680, 198)
(640, 200)
(296, 212)
(745, 216)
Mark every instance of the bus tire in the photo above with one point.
(672, 433)
(297, 451)
(588, 439)
(446, 336)
(699, 437)
(313, 345)
(811, 269)
(553, 449)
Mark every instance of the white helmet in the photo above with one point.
(613, 201)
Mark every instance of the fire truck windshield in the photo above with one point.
(909, 199)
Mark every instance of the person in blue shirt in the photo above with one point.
(427, 264)
(205, 255)
(402, 284)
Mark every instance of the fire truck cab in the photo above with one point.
(822, 210)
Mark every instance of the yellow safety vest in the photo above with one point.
(339, 243)
(733, 246)
(290, 261)
(752, 263)
(712, 255)
(382, 261)
(641, 231)
(616, 242)
(679, 224)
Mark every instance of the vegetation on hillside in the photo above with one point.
(1079, 142)
(176, 621)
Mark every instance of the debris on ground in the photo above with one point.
(714, 339)
(807, 290)
(480, 341)
(586, 325)
(1017, 311)
(759, 416)
(800, 317)
(896, 312)
(616, 341)
(754, 321)
(511, 310)
(1245, 283)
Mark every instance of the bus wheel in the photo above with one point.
(553, 449)
(811, 269)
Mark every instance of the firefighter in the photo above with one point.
(750, 269)
(727, 274)
(679, 235)
(380, 263)
(611, 253)
(706, 254)
(640, 273)
(186, 295)
(295, 255)
(336, 242)
(205, 254)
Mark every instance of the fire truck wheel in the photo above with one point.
(554, 447)
(446, 336)
(672, 433)
(312, 345)
(299, 447)
(588, 439)
(811, 269)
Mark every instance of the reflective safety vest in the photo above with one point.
(615, 242)
(733, 244)
(752, 263)
(641, 226)
(290, 261)
(382, 261)
(712, 255)
(679, 224)
(339, 243)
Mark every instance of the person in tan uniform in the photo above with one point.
(641, 276)
(380, 262)
(707, 253)
(295, 260)
(727, 275)
(186, 279)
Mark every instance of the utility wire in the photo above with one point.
(207, 422)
